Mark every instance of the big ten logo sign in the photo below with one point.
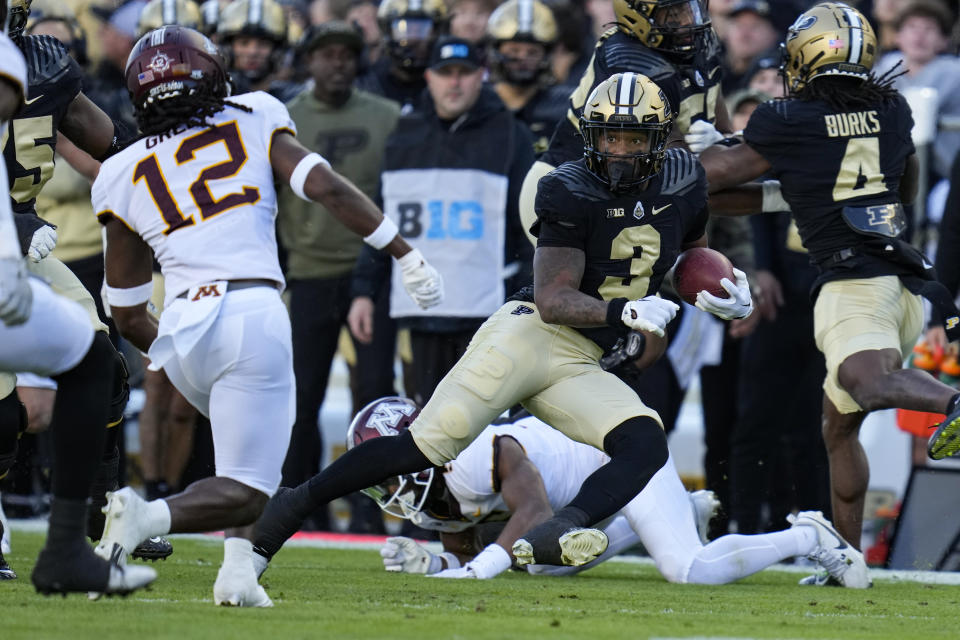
(437, 220)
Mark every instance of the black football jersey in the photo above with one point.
(542, 113)
(827, 160)
(54, 79)
(631, 239)
(692, 87)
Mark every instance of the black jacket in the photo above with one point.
(487, 137)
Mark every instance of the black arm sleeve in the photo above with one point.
(123, 135)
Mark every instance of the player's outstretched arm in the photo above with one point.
(526, 498)
(90, 129)
(311, 178)
(731, 166)
(557, 272)
(129, 271)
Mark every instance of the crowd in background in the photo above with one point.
(369, 90)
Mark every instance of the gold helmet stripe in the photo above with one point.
(525, 16)
(625, 93)
(856, 36)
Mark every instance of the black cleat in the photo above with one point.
(558, 542)
(6, 573)
(81, 571)
(277, 523)
(153, 549)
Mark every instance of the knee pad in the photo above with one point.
(638, 439)
(13, 422)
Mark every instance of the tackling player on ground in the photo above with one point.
(610, 226)
(840, 146)
(197, 191)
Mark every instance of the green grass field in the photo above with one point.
(326, 593)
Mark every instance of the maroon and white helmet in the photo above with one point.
(401, 496)
(173, 61)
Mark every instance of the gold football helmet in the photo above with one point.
(674, 26)
(524, 20)
(18, 13)
(410, 28)
(259, 18)
(831, 39)
(625, 125)
(521, 21)
(158, 13)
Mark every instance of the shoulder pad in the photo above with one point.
(625, 53)
(579, 182)
(47, 59)
(681, 171)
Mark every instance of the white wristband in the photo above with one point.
(490, 562)
(129, 297)
(773, 198)
(383, 234)
(299, 176)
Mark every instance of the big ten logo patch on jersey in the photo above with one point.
(457, 218)
(615, 212)
(335, 146)
(206, 291)
(435, 219)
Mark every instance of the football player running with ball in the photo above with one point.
(840, 146)
(610, 226)
(197, 192)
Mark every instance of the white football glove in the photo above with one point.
(489, 563)
(701, 135)
(405, 555)
(42, 243)
(738, 305)
(651, 314)
(16, 296)
(422, 281)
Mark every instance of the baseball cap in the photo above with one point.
(759, 7)
(332, 32)
(450, 50)
(124, 18)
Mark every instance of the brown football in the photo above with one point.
(700, 269)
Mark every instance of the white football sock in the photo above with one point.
(158, 518)
(736, 556)
(237, 551)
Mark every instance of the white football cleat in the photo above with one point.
(842, 562)
(126, 512)
(705, 506)
(236, 586)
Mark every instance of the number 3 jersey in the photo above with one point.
(630, 239)
(203, 198)
(826, 161)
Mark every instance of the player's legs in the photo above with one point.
(849, 469)
(178, 436)
(597, 408)
(157, 391)
(13, 422)
(507, 361)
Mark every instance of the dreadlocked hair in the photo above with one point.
(844, 94)
(204, 100)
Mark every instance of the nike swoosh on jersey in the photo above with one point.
(31, 101)
(657, 210)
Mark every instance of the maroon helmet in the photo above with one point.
(400, 496)
(173, 61)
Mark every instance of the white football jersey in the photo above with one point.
(13, 67)
(203, 198)
(563, 464)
